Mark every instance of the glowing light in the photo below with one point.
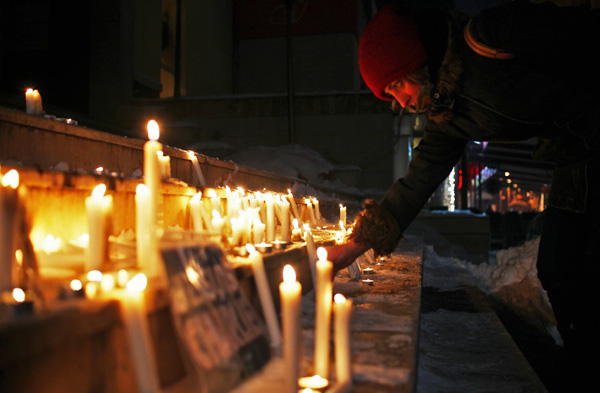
(76, 285)
(322, 253)
(137, 283)
(18, 295)
(153, 130)
(94, 275)
(339, 298)
(11, 179)
(99, 191)
(289, 274)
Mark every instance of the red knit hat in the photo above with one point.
(389, 49)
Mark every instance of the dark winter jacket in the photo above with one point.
(548, 90)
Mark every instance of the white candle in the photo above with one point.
(314, 382)
(343, 215)
(285, 221)
(270, 235)
(311, 213)
(290, 291)
(258, 230)
(217, 223)
(237, 228)
(164, 165)
(197, 169)
(311, 250)
(133, 309)
(323, 300)
(98, 208)
(196, 213)
(296, 231)
(317, 209)
(264, 293)
(8, 226)
(152, 178)
(33, 102)
(142, 224)
(342, 310)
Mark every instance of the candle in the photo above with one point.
(296, 231)
(368, 270)
(270, 235)
(342, 310)
(98, 207)
(342, 216)
(311, 250)
(290, 291)
(311, 213)
(285, 221)
(164, 163)
(323, 312)
(9, 199)
(142, 225)
(133, 309)
(237, 228)
(258, 230)
(368, 281)
(18, 302)
(33, 102)
(217, 223)
(264, 293)
(317, 209)
(314, 382)
(197, 169)
(152, 181)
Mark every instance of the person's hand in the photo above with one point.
(342, 255)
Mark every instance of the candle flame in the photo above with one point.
(339, 298)
(289, 274)
(322, 253)
(99, 169)
(250, 248)
(29, 90)
(153, 130)
(191, 154)
(99, 191)
(210, 193)
(76, 285)
(142, 189)
(295, 223)
(216, 215)
(307, 201)
(19, 257)
(18, 295)
(137, 283)
(197, 196)
(11, 179)
(51, 244)
(94, 275)
(160, 153)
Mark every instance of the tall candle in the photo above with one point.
(311, 250)
(164, 165)
(98, 207)
(342, 310)
(152, 178)
(217, 223)
(8, 225)
(258, 231)
(142, 224)
(343, 215)
(311, 213)
(317, 209)
(290, 291)
(296, 231)
(323, 299)
(285, 221)
(270, 235)
(264, 293)
(197, 169)
(133, 309)
(196, 213)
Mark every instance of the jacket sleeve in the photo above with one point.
(433, 160)
(558, 40)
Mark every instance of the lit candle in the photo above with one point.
(295, 212)
(270, 235)
(164, 165)
(311, 251)
(33, 102)
(133, 309)
(343, 215)
(217, 223)
(311, 213)
(98, 207)
(323, 312)
(264, 293)
(317, 209)
(152, 181)
(197, 169)
(342, 310)
(290, 291)
(9, 198)
(285, 221)
(296, 231)
(142, 224)
(314, 382)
